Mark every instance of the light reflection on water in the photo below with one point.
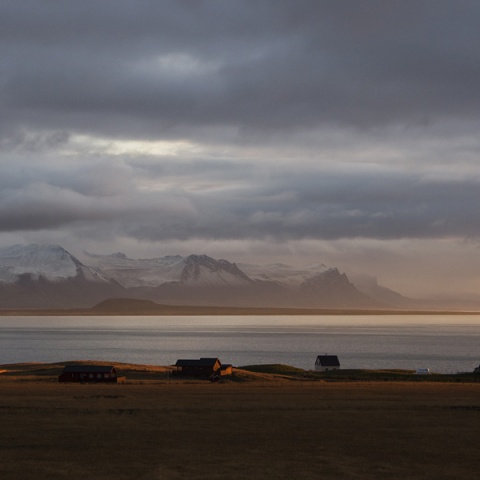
(443, 343)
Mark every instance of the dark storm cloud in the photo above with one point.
(158, 69)
(226, 204)
(356, 205)
(299, 119)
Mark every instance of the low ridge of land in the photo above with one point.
(247, 373)
(131, 306)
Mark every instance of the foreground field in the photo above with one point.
(263, 426)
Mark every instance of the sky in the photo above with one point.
(331, 131)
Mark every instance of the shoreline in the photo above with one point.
(167, 310)
(136, 307)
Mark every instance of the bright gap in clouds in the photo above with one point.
(178, 64)
(126, 147)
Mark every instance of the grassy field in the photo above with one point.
(260, 426)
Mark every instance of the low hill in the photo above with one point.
(134, 306)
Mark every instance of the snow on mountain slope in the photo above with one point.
(201, 270)
(282, 274)
(194, 270)
(48, 276)
(51, 262)
(137, 272)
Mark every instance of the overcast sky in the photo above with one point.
(342, 132)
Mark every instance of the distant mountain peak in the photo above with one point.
(193, 270)
(33, 275)
(206, 271)
(46, 276)
(281, 273)
(50, 262)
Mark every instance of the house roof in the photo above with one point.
(327, 361)
(88, 369)
(202, 362)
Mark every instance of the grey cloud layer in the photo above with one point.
(157, 68)
(261, 86)
(226, 203)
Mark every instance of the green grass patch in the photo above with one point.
(358, 375)
(275, 369)
(361, 375)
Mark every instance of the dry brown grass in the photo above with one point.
(263, 427)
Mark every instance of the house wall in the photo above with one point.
(319, 368)
(226, 371)
(198, 371)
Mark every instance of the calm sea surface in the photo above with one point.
(443, 343)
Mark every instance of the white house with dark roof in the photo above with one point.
(325, 363)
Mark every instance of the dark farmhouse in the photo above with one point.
(325, 363)
(203, 367)
(90, 373)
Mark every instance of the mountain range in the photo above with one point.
(47, 276)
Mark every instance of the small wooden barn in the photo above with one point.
(325, 363)
(226, 369)
(203, 367)
(90, 373)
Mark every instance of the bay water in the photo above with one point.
(443, 343)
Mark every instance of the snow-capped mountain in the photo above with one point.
(282, 274)
(194, 270)
(47, 276)
(141, 272)
(50, 262)
(205, 271)
(202, 280)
